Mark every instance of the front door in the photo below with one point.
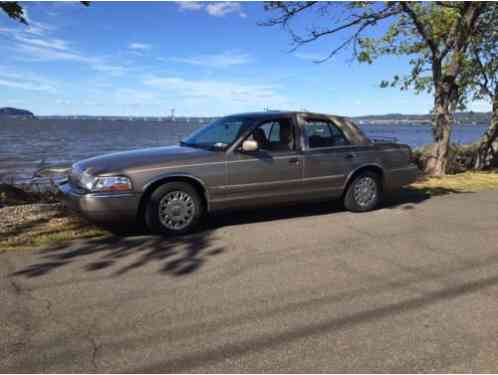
(274, 171)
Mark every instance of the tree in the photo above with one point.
(15, 11)
(435, 36)
(479, 81)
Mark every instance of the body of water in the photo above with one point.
(26, 145)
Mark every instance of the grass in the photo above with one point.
(467, 182)
(43, 226)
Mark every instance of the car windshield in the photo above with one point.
(218, 135)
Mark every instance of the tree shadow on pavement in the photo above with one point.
(176, 256)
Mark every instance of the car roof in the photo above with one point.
(354, 133)
(275, 114)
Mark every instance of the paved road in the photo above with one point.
(410, 287)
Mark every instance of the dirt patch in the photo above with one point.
(35, 225)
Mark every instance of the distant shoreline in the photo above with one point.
(394, 119)
(204, 120)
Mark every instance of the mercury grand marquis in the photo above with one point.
(242, 160)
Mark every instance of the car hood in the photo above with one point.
(128, 161)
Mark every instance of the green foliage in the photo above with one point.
(479, 76)
(14, 10)
(422, 44)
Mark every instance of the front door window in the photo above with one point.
(275, 136)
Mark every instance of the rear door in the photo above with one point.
(273, 171)
(328, 157)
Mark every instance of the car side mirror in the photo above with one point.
(250, 146)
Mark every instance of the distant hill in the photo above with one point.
(8, 111)
(466, 118)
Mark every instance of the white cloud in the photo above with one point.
(40, 46)
(223, 91)
(220, 9)
(190, 5)
(50, 43)
(220, 60)
(35, 53)
(23, 85)
(111, 69)
(38, 28)
(139, 46)
(25, 80)
(217, 9)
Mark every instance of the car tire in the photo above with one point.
(364, 193)
(174, 208)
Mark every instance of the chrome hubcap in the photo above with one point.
(176, 210)
(365, 191)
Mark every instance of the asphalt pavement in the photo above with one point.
(412, 286)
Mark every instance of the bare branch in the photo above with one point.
(288, 12)
(484, 86)
(358, 23)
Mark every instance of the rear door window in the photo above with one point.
(322, 133)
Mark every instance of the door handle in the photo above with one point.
(293, 160)
(350, 155)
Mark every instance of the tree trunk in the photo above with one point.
(487, 152)
(446, 88)
(441, 129)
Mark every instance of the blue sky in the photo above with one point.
(204, 59)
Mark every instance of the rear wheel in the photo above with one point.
(364, 193)
(174, 208)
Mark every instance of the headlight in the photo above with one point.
(109, 184)
(105, 184)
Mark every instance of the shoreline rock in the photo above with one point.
(15, 195)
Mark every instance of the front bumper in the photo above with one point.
(101, 207)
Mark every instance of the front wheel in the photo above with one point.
(174, 208)
(363, 193)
